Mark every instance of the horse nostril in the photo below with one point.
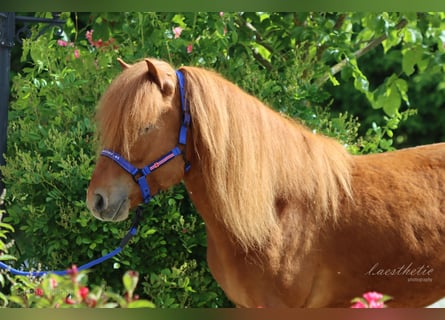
(99, 202)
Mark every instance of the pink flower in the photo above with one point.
(76, 53)
(376, 304)
(133, 274)
(69, 300)
(359, 305)
(91, 303)
(73, 270)
(39, 292)
(190, 48)
(62, 43)
(370, 299)
(83, 292)
(53, 283)
(372, 296)
(89, 36)
(221, 13)
(177, 31)
(100, 43)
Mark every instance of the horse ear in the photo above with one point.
(162, 78)
(123, 64)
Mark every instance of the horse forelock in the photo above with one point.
(253, 157)
(131, 102)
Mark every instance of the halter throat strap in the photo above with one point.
(139, 175)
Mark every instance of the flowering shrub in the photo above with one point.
(72, 291)
(99, 43)
(54, 291)
(63, 43)
(278, 57)
(370, 299)
(51, 148)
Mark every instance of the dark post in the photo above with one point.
(9, 34)
(7, 30)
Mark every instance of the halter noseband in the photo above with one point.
(139, 174)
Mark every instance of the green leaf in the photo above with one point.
(262, 51)
(392, 101)
(386, 144)
(392, 40)
(116, 297)
(179, 20)
(410, 58)
(141, 304)
(423, 64)
(149, 232)
(402, 86)
(6, 226)
(130, 280)
(390, 133)
(18, 300)
(412, 35)
(5, 257)
(4, 299)
(333, 80)
(358, 299)
(361, 84)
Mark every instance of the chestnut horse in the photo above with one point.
(292, 219)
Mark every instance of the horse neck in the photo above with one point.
(199, 195)
(246, 157)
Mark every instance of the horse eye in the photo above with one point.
(147, 128)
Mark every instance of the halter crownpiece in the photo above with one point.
(139, 174)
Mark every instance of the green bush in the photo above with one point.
(4, 258)
(51, 138)
(50, 158)
(68, 291)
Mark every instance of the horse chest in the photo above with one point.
(229, 270)
(250, 283)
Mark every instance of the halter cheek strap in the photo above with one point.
(140, 174)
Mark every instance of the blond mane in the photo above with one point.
(252, 158)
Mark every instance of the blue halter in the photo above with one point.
(139, 174)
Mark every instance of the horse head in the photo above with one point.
(139, 119)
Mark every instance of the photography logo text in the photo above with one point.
(410, 271)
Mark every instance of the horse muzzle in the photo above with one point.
(108, 208)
